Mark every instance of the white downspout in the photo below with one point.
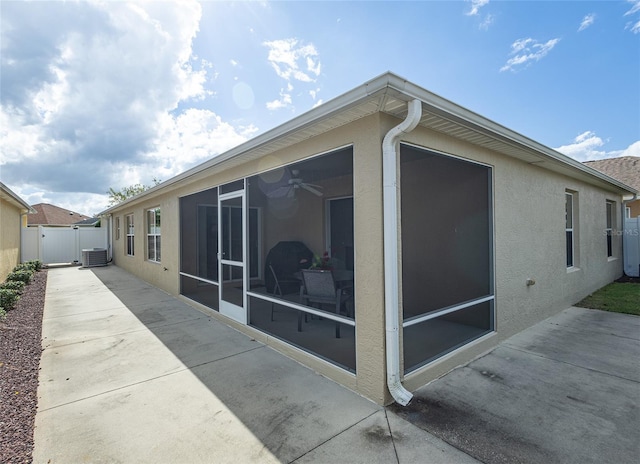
(391, 293)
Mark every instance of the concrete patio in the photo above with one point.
(132, 374)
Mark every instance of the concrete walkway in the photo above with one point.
(130, 374)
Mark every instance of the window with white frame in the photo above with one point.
(568, 212)
(627, 212)
(117, 228)
(153, 235)
(609, 229)
(129, 245)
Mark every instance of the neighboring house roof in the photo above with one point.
(88, 222)
(7, 195)
(625, 168)
(390, 94)
(50, 215)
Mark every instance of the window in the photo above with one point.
(627, 212)
(118, 228)
(153, 235)
(129, 244)
(609, 230)
(568, 213)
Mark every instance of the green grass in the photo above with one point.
(616, 297)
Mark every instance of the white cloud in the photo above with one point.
(475, 6)
(633, 26)
(284, 101)
(286, 57)
(526, 51)
(293, 61)
(588, 146)
(635, 8)
(186, 140)
(587, 21)
(488, 21)
(101, 103)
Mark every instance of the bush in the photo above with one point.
(23, 267)
(36, 264)
(21, 275)
(8, 298)
(2, 312)
(16, 285)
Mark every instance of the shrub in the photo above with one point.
(2, 312)
(21, 275)
(23, 267)
(36, 264)
(8, 298)
(16, 285)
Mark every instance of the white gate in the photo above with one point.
(60, 244)
(631, 245)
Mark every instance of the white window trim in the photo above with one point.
(571, 229)
(609, 218)
(152, 231)
(130, 226)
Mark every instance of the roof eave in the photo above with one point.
(14, 199)
(398, 87)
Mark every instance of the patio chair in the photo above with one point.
(277, 288)
(319, 288)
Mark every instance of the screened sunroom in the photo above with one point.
(244, 247)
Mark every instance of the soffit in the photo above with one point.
(390, 94)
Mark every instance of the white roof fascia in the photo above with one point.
(16, 199)
(398, 87)
(312, 116)
(458, 114)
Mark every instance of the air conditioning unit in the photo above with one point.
(92, 257)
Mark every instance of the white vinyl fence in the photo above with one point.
(60, 244)
(631, 245)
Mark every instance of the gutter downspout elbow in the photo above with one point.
(390, 154)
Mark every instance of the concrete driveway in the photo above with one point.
(567, 390)
(132, 374)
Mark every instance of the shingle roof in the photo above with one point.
(51, 215)
(88, 222)
(625, 168)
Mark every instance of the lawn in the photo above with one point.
(616, 297)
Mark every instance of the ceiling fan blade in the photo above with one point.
(308, 188)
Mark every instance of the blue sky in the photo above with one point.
(109, 94)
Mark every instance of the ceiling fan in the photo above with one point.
(289, 186)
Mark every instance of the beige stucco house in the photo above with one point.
(13, 210)
(445, 233)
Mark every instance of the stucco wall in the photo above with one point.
(9, 238)
(529, 232)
